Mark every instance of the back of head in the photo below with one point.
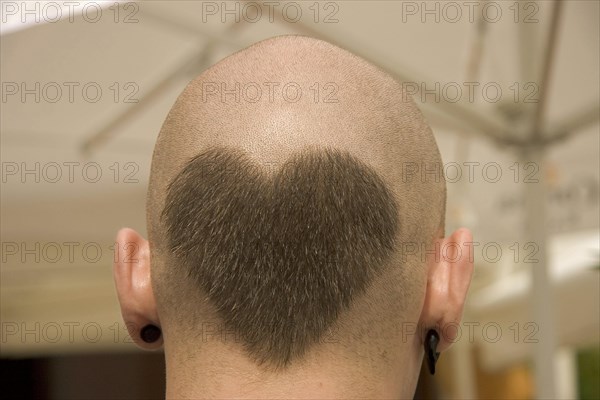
(279, 204)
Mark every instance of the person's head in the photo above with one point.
(295, 219)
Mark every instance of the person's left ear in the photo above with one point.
(131, 272)
(450, 268)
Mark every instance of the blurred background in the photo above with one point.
(511, 89)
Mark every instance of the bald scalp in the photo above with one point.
(281, 215)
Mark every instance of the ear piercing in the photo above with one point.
(150, 333)
(432, 339)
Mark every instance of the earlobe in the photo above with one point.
(450, 269)
(134, 288)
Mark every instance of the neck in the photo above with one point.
(217, 370)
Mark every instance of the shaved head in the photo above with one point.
(279, 204)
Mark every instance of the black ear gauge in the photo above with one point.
(150, 333)
(432, 339)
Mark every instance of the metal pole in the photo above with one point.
(536, 229)
(542, 302)
(547, 67)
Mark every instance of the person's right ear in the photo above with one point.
(132, 279)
